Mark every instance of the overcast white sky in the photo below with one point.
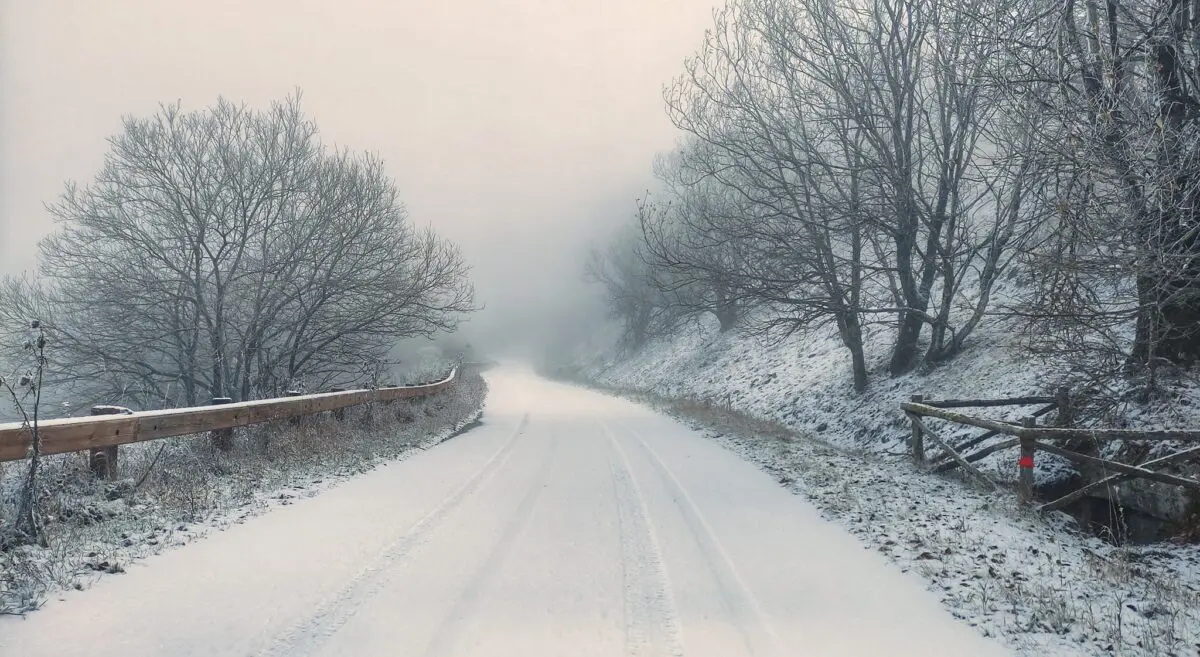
(515, 127)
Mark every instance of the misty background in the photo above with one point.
(520, 129)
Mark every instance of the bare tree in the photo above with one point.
(918, 81)
(631, 294)
(877, 176)
(792, 209)
(697, 271)
(226, 252)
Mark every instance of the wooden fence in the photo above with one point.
(1030, 438)
(111, 426)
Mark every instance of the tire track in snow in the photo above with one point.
(760, 638)
(309, 634)
(446, 637)
(651, 619)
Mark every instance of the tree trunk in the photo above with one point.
(906, 352)
(851, 333)
(1168, 319)
(937, 342)
(639, 330)
(727, 315)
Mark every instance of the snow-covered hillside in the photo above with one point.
(803, 381)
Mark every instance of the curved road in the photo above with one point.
(569, 524)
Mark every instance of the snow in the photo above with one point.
(569, 523)
(1035, 583)
(1040, 587)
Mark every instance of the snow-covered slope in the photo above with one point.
(803, 382)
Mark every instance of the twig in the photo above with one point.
(149, 468)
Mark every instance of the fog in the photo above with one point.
(520, 129)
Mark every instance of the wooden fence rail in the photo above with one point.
(103, 432)
(1031, 438)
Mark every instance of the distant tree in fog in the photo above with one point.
(635, 294)
(227, 252)
(684, 233)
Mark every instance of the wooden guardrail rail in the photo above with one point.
(103, 432)
(1031, 438)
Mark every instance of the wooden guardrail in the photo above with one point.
(1031, 438)
(113, 426)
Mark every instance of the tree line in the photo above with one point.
(885, 167)
(227, 252)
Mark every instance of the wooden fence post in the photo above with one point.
(339, 414)
(103, 460)
(918, 438)
(1025, 464)
(222, 439)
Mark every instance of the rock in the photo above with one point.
(99, 511)
(116, 490)
(822, 427)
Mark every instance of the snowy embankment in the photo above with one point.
(177, 490)
(803, 382)
(1035, 582)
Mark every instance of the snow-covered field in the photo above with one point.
(1036, 582)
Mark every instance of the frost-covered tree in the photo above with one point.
(636, 295)
(869, 168)
(227, 252)
(1117, 283)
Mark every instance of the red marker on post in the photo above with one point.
(1025, 462)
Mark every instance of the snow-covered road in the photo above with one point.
(570, 523)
